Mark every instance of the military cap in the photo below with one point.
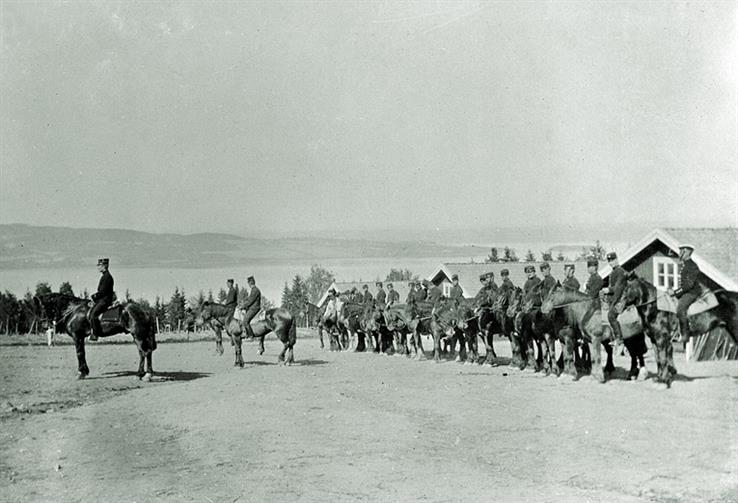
(378, 283)
(251, 279)
(229, 280)
(332, 291)
(687, 246)
(103, 261)
(454, 276)
(426, 282)
(483, 276)
(389, 285)
(545, 265)
(529, 268)
(365, 287)
(612, 256)
(593, 262)
(490, 274)
(569, 266)
(505, 272)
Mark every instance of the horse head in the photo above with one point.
(635, 293)
(553, 299)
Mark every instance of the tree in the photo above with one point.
(529, 257)
(592, 252)
(127, 295)
(319, 280)
(267, 304)
(493, 256)
(66, 289)
(509, 255)
(560, 257)
(210, 296)
(547, 256)
(222, 295)
(42, 288)
(175, 311)
(399, 275)
(293, 299)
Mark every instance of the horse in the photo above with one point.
(659, 325)
(506, 321)
(443, 325)
(574, 306)
(277, 320)
(375, 327)
(350, 323)
(419, 316)
(315, 314)
(329, 323)
(69, 314)
(398, 326)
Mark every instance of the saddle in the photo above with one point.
(703, 303)
(113, 313)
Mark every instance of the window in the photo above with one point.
(665, 273)
(446, 289)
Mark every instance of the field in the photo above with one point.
(355, 427)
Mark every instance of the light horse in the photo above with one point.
(69, 314)
(659, 325)
(329, 322)
(574, 306)
(277, 320)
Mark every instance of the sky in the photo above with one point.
(258, 117)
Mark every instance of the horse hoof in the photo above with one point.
(81, 376)
(146, 377)
(642, 374)
(661, 386)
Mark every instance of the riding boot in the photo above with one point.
(96, 328)
(249, 332)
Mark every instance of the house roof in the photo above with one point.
(469, 273)
(716, 251)
(341, 286)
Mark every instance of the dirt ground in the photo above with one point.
(355, 427)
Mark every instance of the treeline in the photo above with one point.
(509, 255)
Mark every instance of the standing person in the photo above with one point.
(615, 291)
(251, 306)
(570, 282)
(381, 298)
(456, 293)
(689, 288)
(103, 298)
(392, 296)
(50, 334)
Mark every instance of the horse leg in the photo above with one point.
(609, 365)
(79, 346)
(280, 358)
(237, 350)
(437, 344)
(595, 350)
(320, 335)
(261, 344)
(549, 364)
(219, 340)
(570, 367)
(420, 352)
(149, 362)
(141, 359)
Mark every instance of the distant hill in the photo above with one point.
(26, 246)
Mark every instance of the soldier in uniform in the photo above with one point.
(456, 293)
(381, 298)
(231, 299)
(615, 291)
(251, 306)
(592, 289)
(548, 281)
(367, 298)
(689, 288)
(411, 292)
(532, 286)
(422, 293)
(570, 282)
(486, 294)
(506, 284)
(434, 294)
(103, 298)
(392, 296)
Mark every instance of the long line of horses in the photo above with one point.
(532, 323)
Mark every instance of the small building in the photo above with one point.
(469, 274)
(342, 286)
(655, 259)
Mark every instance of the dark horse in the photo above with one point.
(659, 325)
(277, 320)
(70, 315)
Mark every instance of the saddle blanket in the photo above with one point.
(112, 314)
(703, 303)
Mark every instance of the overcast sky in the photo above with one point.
(253, 116)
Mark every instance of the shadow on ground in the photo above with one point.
(167, 376)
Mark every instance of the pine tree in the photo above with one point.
(66, 289)
(529, 257)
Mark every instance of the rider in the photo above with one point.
(570, 282)
(434, 294)
(689, 288)
(411, 292)
(592, 289)
(615, 290)
(456, 293)
(421, 293)
(231, 299)
(531, 284)
(485, 295)
(381, 299)
(251, 306)
(392, 296)
(103, 298)
(549, 283)
(368, 299)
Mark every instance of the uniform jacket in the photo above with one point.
(689, 274)
(617, 283)
(231, 299)
(381, 298)
(368, 298)
(434, 294)
(594, 285)
(421, 294)
(456, 293)
(549, 283)
(571, 283)
(105, 288)
(532, 290)
(485, 296)
(506, 285)
(393, 297)
(253, 301)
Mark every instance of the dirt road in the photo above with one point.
(355, 427)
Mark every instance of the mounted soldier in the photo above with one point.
(570, 282)
(103, 298)
(592, 289)
(615, 291)
(367, 298)
(392, 296)
(506, 286)
(456, 294)
(380, 301)
(548, 281)
(689, 288)
(532, 284)
(422, 292)
(435, 294)
(411, 292)
(251, 306)
(486, 294)
(231, 298)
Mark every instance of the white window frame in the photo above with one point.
(446, 289)
(665, 273)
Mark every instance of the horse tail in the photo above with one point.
(292, 331)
